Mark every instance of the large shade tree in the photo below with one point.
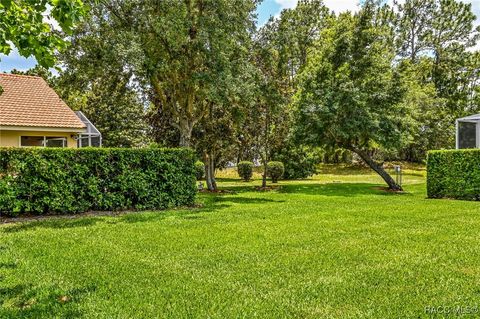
(350, 94)
(182, 49)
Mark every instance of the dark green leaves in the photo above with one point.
(454, 174)
(28, 26)
(40, 181)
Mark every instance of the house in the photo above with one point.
(468, 132)
(32, 114)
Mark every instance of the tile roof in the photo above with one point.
(29, 101)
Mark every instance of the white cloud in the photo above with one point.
(335, 5)
(15, 61)
(342, 5)
(47, 18)
(286, 4)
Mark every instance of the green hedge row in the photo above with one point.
(454, 174)
(40, 181)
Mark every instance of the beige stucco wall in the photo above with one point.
(12, 138)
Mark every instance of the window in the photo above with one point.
(89, 140)
(43, 141)
(467, 135)
(55, 141)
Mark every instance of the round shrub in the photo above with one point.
(245, 170)
(275, 170)
(299, 161)
(199, 170)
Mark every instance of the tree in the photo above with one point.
(113, 106)
(271, 96)
(350, 94)
(182, 49)
(24, 24)
(216, 134)
(95, 79)
(281, 49)
(432, 122)
(296, 32)
(435, 36)
(414, 18)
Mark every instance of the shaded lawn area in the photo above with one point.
(330, 247)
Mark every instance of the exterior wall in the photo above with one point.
(12, 138)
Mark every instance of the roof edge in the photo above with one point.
(42, 129)
(21, 75)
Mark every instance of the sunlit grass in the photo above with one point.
(333, 246)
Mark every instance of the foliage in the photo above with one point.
(454, 174)
(41, 181)
(435, 38)
(431, 124)
(40, 71)
(216, 133)
(179, 50)
(199, 170)
(245, 170)
(95, 79)
(275, 170)
(23, 24)
(350, 95)
(299, 161)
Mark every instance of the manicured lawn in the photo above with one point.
(331, 247)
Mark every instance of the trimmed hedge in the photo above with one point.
(48, 180)
(245, 170)
(275, 170)
(454, 174)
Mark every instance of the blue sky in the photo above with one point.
(265, 10)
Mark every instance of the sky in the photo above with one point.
(265, 10)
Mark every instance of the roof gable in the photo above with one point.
(29, 101)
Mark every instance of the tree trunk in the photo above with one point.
(392, 185)
(264, 176)
(185, 128)
(210, 172)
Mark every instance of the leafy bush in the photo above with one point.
(299, 161)
(245, 170)
(40, 181)
(199, 170)
(454, 174)
(275, 170)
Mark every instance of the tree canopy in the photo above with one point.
(29, 26)
(384, 83)
(350, 94)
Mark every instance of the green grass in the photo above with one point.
(330, 247)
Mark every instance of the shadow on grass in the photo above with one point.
(27, 301)
(247, 200)
(8, 265)
(337, 189)
(54, 222)
(211, 203)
